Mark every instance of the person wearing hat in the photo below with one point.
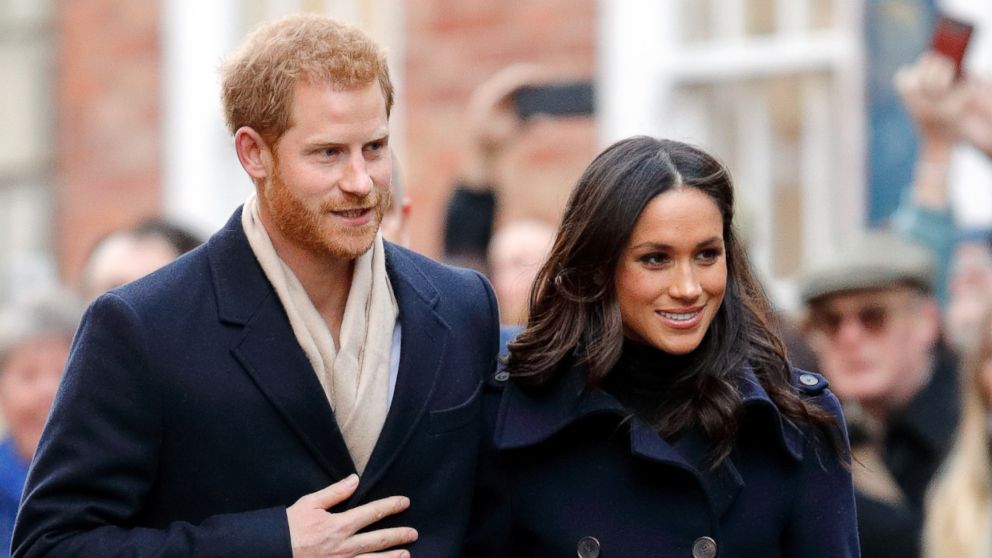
(874, 324)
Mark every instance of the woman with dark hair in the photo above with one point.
(650, 409)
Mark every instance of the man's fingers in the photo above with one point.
(363, 544)
(390, 554)
(905, 80)
(936, 75)
(362, 516)
(334, 494)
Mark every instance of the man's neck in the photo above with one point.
(325, 278)
(908, 389)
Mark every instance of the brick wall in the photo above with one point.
(108, 91)
(451, 47)
(109, 102)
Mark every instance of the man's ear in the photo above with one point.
(253, 152)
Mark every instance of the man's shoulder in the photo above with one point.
(180, 275)
(223, 262)
(415, 267)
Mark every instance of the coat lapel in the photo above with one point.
(723, 483)
(423, 346)
(268, 350)
(525, 421)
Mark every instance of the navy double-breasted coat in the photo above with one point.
(189, 417)
(577, 476)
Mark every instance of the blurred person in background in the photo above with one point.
(959, 505)
(395, 222)
(512, 255)
(131, 253)
(947, 111)
(35, 336)
(969, 285)
(874, 324)
(495, 125)
(516, 253)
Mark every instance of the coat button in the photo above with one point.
(502, 376)
(588, 547)
(808, 380)
(704, 547)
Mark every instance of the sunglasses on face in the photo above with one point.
(873, 319)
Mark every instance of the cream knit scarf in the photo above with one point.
(355, 376)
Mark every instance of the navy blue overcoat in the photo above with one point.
(189, 417)
(576, 476)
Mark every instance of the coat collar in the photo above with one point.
(240, 284)
(423, 350)
(270, 354)
(527, 420)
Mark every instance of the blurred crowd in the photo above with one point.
(898, 320)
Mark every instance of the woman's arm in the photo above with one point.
(823, 522)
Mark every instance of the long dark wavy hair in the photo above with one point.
(574, 314)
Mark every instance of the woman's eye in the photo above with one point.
(710, 255)
(654, 259)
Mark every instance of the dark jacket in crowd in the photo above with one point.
(919, 436)
(578, 476)
(468, 224)
(189, 417)
(917, 439)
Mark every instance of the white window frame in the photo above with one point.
(643, 67)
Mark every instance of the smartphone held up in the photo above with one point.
(555, 99)
(950, 38)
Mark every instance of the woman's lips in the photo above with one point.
(681, 319)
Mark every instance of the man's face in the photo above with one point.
(28, 380)
(874, 346)
(971, 279)
(329, 184)
(516, 253)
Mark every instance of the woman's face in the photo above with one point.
(673, 272)
(28, 380)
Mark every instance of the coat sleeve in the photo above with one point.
(97, 460)
(489, 532)
(823, 522)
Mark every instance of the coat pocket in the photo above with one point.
(453, 418)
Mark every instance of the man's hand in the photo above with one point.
(492, 123)
(976, 124)
(934, 99)
(316, 532)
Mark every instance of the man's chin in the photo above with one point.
(350, 246)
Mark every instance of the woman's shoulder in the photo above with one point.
(815, 388)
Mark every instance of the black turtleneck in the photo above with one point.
(643, 377)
